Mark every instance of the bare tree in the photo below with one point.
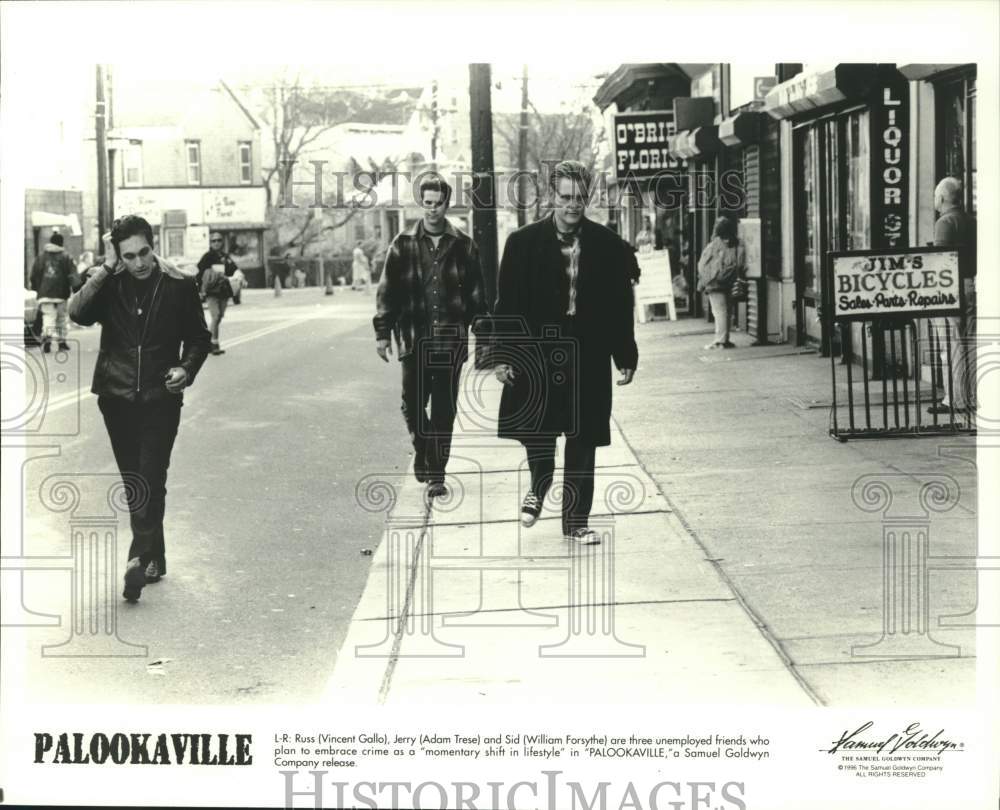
(297, 117)
(551, 137)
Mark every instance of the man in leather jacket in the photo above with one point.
(153, 342)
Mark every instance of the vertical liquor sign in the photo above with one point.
(890, 161)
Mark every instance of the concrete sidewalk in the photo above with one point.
(738, 442)
(735, 566)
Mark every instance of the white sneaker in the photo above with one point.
(710, 346)
(584, 537)
(530, 510)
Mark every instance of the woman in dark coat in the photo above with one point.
(563, 313)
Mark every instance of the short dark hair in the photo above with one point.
(435, 183)
(570, 170)
(56, 238)
(725, 229)
(130, 225)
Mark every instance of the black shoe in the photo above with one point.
(436, 489)
(530, 510)
(46, 345)
(583, 536)
(153, 572)
(135, 578)
(943, 407)
(728, 345)
(217, 350)
(63, 346)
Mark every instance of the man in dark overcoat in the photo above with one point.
(564, 311)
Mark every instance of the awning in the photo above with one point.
(815, 90)
(45, 219)
(742, 129)
(920, 71)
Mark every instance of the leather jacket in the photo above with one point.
(136, 354)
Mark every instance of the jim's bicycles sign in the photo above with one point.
(914, 282)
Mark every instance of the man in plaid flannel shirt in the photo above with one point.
(430, 293)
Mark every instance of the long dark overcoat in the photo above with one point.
(562, 385)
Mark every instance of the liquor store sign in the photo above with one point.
(640, 142)
(915, 282)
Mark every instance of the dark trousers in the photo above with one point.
(431, 437)
(578, 477)
(142, 437)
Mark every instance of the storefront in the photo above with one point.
(751, 153)
(697, 144)
(953, 91)
(850, 173)
(183, 218)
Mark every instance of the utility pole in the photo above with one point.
(109, 123)
(484, 213)
(522, 153)
(103, 220)
(434, 123)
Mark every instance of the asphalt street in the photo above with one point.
(265, 541)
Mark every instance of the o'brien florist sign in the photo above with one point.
(915, 282)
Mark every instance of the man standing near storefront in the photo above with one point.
(153, 342)
(956, 228)
(566, 279)
(430, 293)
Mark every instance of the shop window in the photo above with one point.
(956, 108)
(175, 242)
(193, 150)
(132, 165)
(245, 248)
(808, 245)
(857, 154)
(833, 165)
(246, 163)
(832, 176)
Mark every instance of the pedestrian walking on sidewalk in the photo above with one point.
(54, 277)
(216, 290)
(429, 296)
(565, 280)
(361, 274)
(956, 228)
(723, 262)
(153, 342)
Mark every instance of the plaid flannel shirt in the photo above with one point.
(400, 304)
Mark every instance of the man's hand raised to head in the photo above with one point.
(384, 349)
(627, 375)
